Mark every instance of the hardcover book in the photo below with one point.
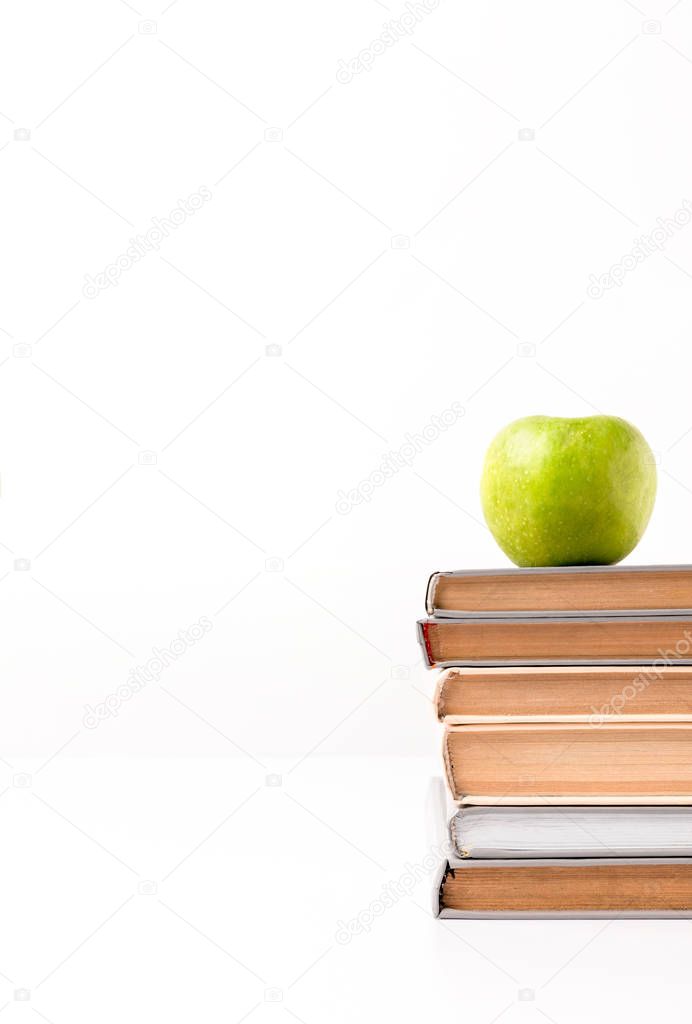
(585, 887)
(557, 759)
(498, 833)
(590, 692)
(554, 641)
(569, 590)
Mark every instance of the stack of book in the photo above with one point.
(566, 698)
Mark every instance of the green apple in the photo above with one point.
(561, 491)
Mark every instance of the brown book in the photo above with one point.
(593, 692)
(643, 759)
(571, 888)
(626, 641)
(565, 590)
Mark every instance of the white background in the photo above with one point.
(373, 251)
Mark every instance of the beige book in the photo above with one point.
(567, 590)
(593, 692)
(577, 888)
(549, 759)
(571, 641)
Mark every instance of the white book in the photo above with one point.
(563, 831)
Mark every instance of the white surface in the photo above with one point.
(222, 930)
(253, 450)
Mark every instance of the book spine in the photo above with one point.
(424, 641)
(440, 695)
(447, 761)
(438, 885)
(430, 593)
(456, 837)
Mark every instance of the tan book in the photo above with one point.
(571, 888)
(592, 692)
(570, 641)
(566, 590)
(549, 759)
